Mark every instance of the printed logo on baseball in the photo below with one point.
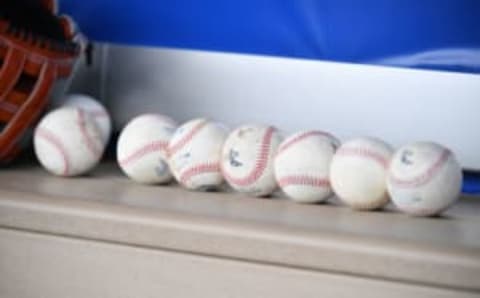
(424, 179)
(68, 142)
(247, 159)
(95, 109)
(142, 148)
(358, 173)
(194, 154)
(302, 166)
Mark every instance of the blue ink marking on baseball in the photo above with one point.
(169, 129)
(335, 145)
(232, 155)
(416, 199)
(406, 157)
(161, 168)
(182, 160)
(180, 130)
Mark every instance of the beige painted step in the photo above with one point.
(106, 207)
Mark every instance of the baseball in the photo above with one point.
(194, 154)
(358, 173)
(142, 148)
(424, 179)
(247, 159)
(302, 166)
(96, 110)
(68, 142)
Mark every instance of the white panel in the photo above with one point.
(398, 105)
(34, 266)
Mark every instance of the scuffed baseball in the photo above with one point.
(95, 109)
(302, 166)
(247, 159)
(358, 173)
(142, 148)
(194, 152)
(68, 142)
(424, 179)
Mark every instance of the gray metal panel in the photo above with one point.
(89, 79)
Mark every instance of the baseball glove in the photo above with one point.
(38, 51)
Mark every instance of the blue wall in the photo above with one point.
(340, 30)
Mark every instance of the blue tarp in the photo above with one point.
(432, 34)
(471, 183)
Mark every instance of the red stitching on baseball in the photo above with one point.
(301, 137)
(187, 138)
(260, 163)
(303, 180)
(57, 143)
(425, 177)
(141, 152)
(209, 167)
(364, 153)
(94, 150)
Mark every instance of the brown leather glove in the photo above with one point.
(38, 51)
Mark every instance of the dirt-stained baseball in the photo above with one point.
(95, 109)
(247, 159)
(358, 173)
(142, 148)
(424, 179)
(302, 166)
(68, 142)
(194, 154)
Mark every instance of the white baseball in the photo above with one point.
(358, 173)
(194, 154)
(95, 108)
(424, 178)
(142, 148)
(68, 142)
(302, 166)
(247, 159)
